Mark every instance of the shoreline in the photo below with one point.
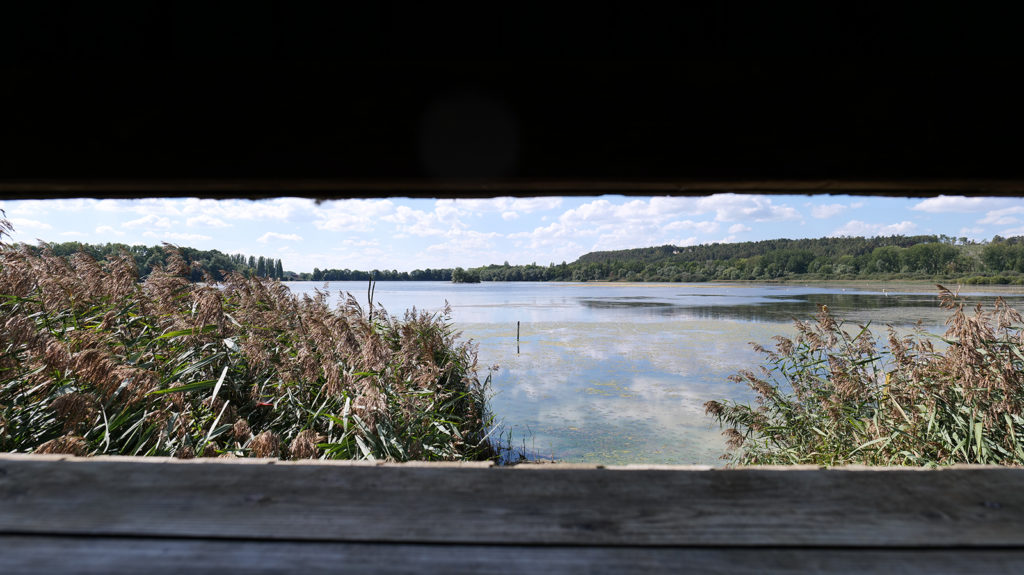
(878, 285)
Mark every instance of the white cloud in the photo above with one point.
(1010, 232)
(111, 205)
(957, 204)
(416, 222)
(273, 209)
(43, 207)
(611, 224)
(142, 207)
(466, 241)
(165, 236)
(733, 207)
(624, 238)
(462, 247)
(508, 216)
(553, 232)
(216, 213)
(653, 221)
(276, 236)
(151, 221)
(830, 210)
(827, 211)
(1000, 221)
(1003, 217)
(478, 206)
(352, 215)
(358, 243)
(857, 228)
(109, 230)
(556, 241)
(971, 232)
(26, 223)
(444, 220)
(75, 205)
(530, 205)
(205, 211)
(207, 221)
(704, 227)
(650, 214)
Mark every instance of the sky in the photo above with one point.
(406, 234)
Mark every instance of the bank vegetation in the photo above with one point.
(924, 257)
(836, 394)
(94, 361)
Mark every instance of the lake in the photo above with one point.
(617, 373)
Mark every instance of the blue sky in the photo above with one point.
(405, 234)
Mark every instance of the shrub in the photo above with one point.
(834, 396)
(94, 362)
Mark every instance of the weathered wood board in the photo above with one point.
(21, 554)
(514, 519)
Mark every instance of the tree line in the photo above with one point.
(893, 257)
(334, 275)
(1000, 260)
(204, 263)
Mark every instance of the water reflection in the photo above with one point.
(576, 388)
(618, 373)
(898, 309)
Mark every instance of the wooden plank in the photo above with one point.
(21, 554)
(548, 505)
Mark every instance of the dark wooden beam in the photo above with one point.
(406, 101)
(259, 188)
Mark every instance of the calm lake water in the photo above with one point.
(617, 373)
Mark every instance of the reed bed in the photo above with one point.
(94, 361)
(838, 395)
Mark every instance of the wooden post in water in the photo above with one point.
(517, 338)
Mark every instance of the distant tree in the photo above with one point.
(278, 269)
(461, 276)
(886, 259)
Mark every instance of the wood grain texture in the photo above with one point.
(500, 506)
(113, 556)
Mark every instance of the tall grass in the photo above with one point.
(837, 395)
(94, 362)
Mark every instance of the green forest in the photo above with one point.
(999, 261)
(203, 264)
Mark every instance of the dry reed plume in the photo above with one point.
(833, 396)
(94, 361)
